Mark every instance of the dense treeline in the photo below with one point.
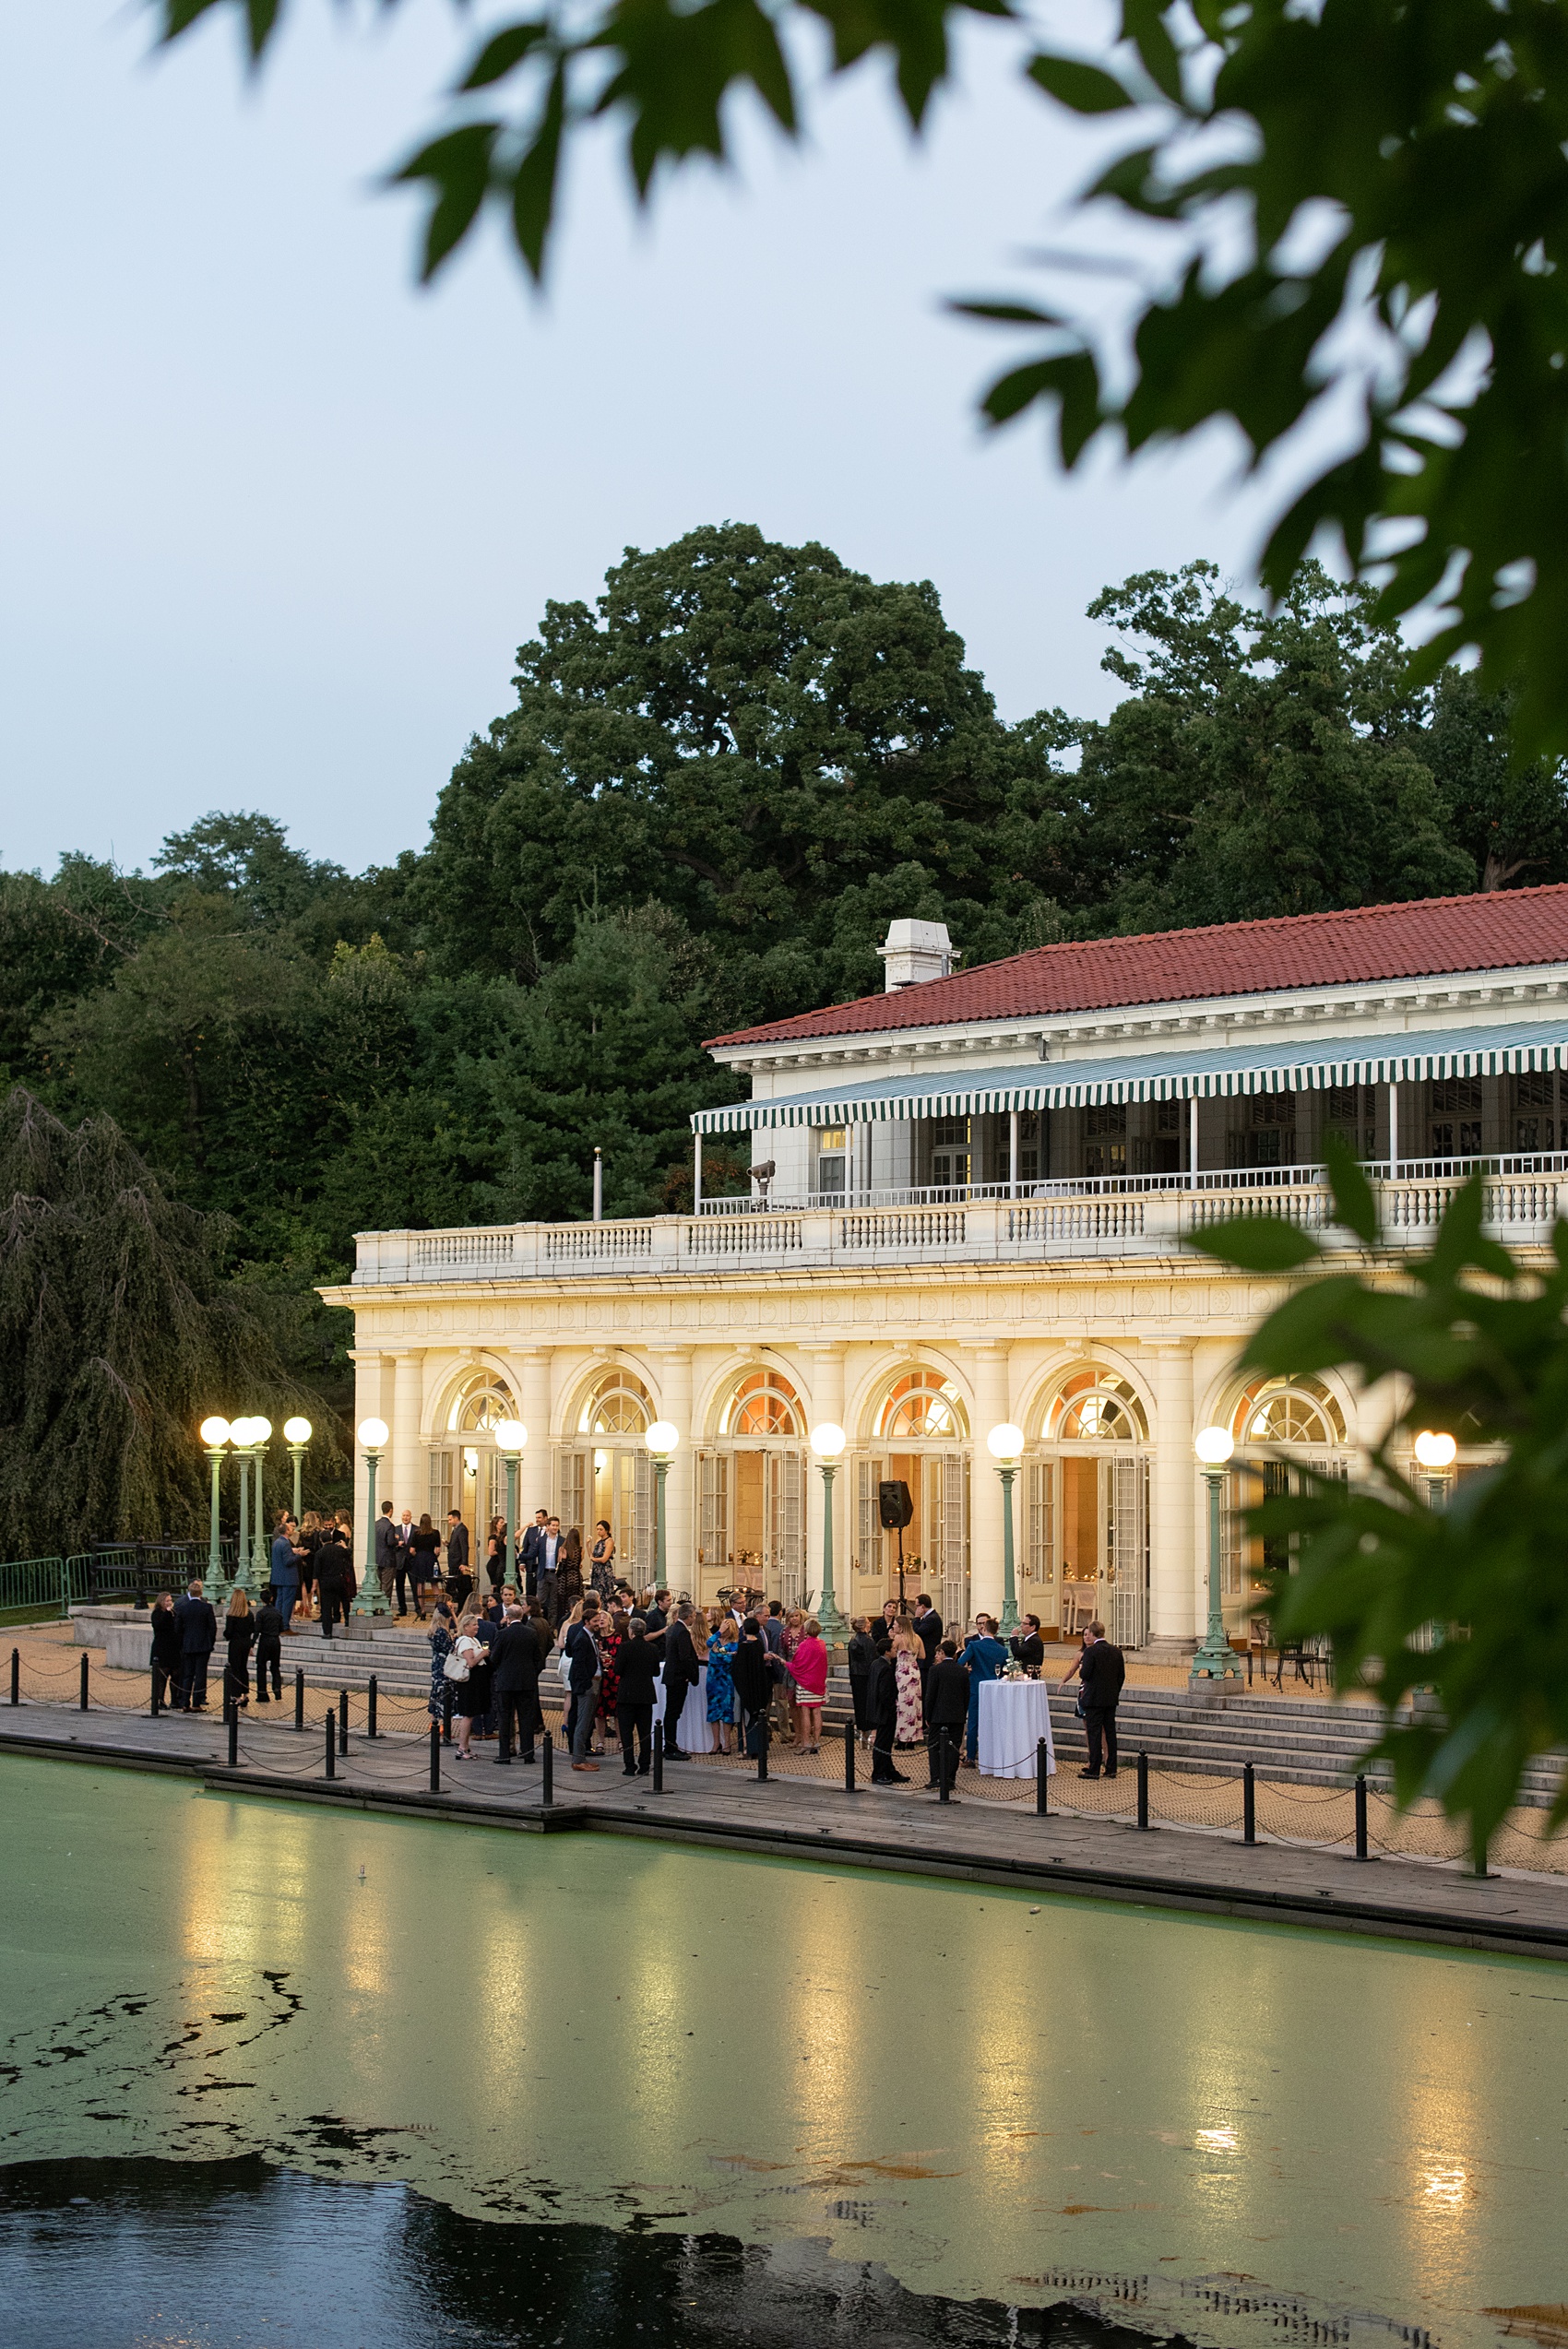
(711, 794)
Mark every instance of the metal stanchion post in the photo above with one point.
(849, 1757)
(233, 1736)
(943, 1764)
(447, 1702)
(299, 1696)
(1361, 1817)
(435, 1757)
(547, 1788)
(659, 1757)
(331, 1746)
(84, 1684)
(761, 1753)
(1143, 1790)
(16, 1676)
(342, 1720)
(1249, 1806)
(370, 1729)
(157, 1708)
(1042, 1780)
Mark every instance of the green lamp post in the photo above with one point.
(661, 1440)
(296, 1435)
(1436, 1452)
(261, 1555)
(827, 1442)
(1005, 1445)
(215, 1435)
(240, 1437)
(1216, 1660)
(510, 1437)
(370, 1598)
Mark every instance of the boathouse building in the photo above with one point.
(977, 1187)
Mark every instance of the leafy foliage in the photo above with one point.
(1366, 197)
(118, 1333)
(1475, 1343)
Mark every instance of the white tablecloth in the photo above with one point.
(1014, 1716)
(694, 1714)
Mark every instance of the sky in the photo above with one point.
(273, 519)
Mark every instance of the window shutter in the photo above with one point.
(642, 1551)
(1040, 1522)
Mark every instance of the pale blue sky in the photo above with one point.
(273, 520)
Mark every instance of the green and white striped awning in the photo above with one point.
(1160, 1076)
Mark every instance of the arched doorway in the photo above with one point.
(1287, 1430)
(605, 1470)
(1085, 1492)
(920, 1439)
(751, 1494)
(465, 1471)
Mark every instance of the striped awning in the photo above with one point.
(1160, 1076)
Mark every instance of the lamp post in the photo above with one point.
(1216, 1660)
(260, 1436)
(296, 1435)
(215, 1433)
(661, 1440)
(827, 1442)
(1436, 1453)
(510, 1437)
(1005, 1445)
(241, 1437)
(370, 1598)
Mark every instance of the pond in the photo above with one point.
(1210, 2128)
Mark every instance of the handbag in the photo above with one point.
(454, 1667)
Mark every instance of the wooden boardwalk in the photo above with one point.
(814, 1819)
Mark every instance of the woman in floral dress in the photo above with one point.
(908, 1727)
(721, 1645)
(443, 1639)
(611, 1643)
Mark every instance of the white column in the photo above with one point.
(679, 1485)
(985, 1483)
(1193, 1136)
(696, 1174)
(1011, 1153)
(405, 1482)
(1176, 1605)
(538, 1479)
(372, 1401)
(1393, 1130)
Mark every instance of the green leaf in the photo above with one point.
(459, 169)
(1086, 88)
(503, 53)
(1073, 378)
(1354, 1209)
(1256, 1243)
(534, 182)
(1143, 23)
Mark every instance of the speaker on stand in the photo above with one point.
(895, 1507)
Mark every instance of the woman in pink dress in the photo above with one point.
(807, 1668)
(906, 1652)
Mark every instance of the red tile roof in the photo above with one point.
(1497, 929)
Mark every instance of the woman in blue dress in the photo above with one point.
(987, 1660)
(722, 1646)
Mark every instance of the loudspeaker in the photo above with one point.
(894, 1505)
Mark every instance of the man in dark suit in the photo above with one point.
(947, 1713)
(681, 1672)
(199, 1637)
(513, 1681)
(1101, 1674)
(927, 1630)
(1028, 1647)
(532, 1543)
(658, 1615)
(459, 1581)
(549, 1554)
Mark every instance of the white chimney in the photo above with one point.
(914, 952)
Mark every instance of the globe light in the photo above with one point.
(240, 1433)
(663, 1436)
(260, 1429)
(215, 1432)
(1005, 1442)
(296, 1431)
(510, 1434)
(1434, 1450)
(829, 1441)
(1213, 1446)
(373, 1434)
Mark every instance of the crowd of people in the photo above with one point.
(551, 1605)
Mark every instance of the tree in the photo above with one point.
(1477, 1345)
(1359, 206)
(118, 1333)
(755, 733)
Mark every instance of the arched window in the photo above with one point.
(924, 1407)
(1097, 1406)
(618, 1404)
(479, 1406)
(1288, 1411)
(762, 1404)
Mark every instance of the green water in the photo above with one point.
(971, 2088)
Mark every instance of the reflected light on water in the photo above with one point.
(1445, 2186)
(1217, 2140)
